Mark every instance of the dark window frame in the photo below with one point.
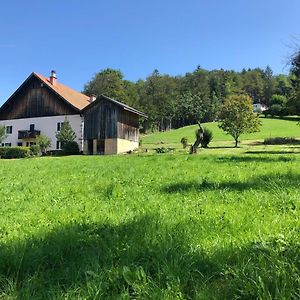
(59, 126)
(9, 129)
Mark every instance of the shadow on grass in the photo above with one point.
(130, 259)
(265, 182)
(287, 118)
(221, 147)
(141, 259)
(271, 152)
(241, 159)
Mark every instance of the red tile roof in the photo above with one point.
(76, 99)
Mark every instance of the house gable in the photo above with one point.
(36, 98)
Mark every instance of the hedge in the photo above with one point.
(14, 152)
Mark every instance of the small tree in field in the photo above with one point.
(184, 142)
(43, 142)
(2, 133)
(237, 117)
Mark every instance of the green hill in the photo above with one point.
(269, 128)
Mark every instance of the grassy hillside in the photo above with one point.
(209, 226)
(270, 128)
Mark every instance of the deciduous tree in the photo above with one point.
(43, 142)
(237, 117)
(2, 133)
(108, 82)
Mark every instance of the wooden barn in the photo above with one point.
(110, 127)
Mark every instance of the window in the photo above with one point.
(59, 145)
(20, 144)
(31, 127)
(28, 144)
(7, 144)
(8, 129)
(59, 125)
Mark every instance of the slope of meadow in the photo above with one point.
(269, 128)
(171, 226)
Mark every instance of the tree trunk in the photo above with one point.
(199, 138)
(236, 142)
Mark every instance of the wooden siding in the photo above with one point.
(100, 121)
(128, 125)
(35, 100)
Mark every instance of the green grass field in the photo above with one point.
(217, 225)
(269, 128)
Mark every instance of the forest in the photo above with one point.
(176, 101)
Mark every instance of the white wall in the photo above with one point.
(259, 108)
(47, 126)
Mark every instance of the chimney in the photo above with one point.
(92, 98)
(53, 77)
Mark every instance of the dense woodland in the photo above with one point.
(175, 101)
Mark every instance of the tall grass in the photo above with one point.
(150, 227)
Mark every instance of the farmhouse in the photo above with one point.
(40, 105)
(259, 107)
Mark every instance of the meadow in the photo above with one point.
(270, 128)
(223, 224)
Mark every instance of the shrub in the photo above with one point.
(281, 141)
(71, 148)
(163, 150)
(35, 150)
(14, 152)
(207, 137)
(44, 143)
(184, 142)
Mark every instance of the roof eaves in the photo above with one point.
(125, 106)
(16, 91)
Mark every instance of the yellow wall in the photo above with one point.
(114, 146)
(126, 145)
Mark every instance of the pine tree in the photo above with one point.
(66, 134)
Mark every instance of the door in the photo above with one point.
(90, 147)
(101, 146)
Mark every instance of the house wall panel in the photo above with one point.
(100, 121)
(128, 126)
(47, 126)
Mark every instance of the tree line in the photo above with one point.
(176, 101)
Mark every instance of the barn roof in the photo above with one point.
(75, 98)
(118, 103)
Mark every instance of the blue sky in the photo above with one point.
(79, 38)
